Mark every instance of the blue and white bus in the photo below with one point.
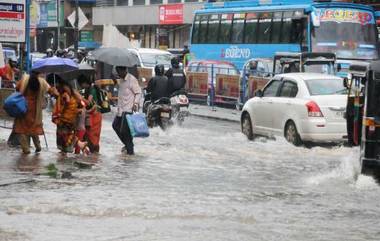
(239, 31)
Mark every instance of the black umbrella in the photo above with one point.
(116, 56)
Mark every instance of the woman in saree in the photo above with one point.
(65, 115)
(34, 88)
(93, 115)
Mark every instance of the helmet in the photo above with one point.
(175, 63)
(60, 53)
(159, 70)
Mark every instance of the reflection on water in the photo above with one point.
(203, 181)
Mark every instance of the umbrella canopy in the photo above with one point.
(54, 65)
(83, 69)
(116, 56)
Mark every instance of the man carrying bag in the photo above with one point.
(129, 96)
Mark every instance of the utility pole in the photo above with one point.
(58, 24)
(76, 31)
(27, 35)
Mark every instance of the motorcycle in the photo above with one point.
(158, 113)
(180, 106)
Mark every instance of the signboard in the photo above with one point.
(48, 14)
(12, 21)
(82, 19)
(227, 86)
(345, 15)
(197, 83)
(34, 17)
(256, 83)
(86, 36)
(171, 14)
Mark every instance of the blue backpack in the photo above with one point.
(15, 105)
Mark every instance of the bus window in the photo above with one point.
(225, 28)
(286, 27)
(213, 28)
(265, 22)
(276, 27)
(238, 28)
(203, 29)
(195, 29)
(250, 28)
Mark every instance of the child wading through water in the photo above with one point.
(93, 123)
(65, 115)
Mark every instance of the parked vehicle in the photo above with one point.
(180, 106)
(302, 107)
(151, 57)
(9, 53)
(158, 113)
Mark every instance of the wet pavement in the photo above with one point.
(201, 181)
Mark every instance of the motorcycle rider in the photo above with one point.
(49, 53)
(158, 86)
(176, 77)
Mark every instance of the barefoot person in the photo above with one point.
(65, 116)
(29, 126)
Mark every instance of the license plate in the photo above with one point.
(339, 114)
(183, 109)
(165, 114)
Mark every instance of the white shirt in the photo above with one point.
(128, 95)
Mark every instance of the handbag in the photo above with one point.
(137, 125)
(15, 105)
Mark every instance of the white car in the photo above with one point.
(151, 57)
(302, 107)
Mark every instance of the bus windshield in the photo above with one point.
(350, 33)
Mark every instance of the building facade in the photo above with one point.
(50, 27)
(154, 23)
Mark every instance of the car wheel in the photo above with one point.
(291, 134)
(246, 126)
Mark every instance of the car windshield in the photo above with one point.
(325, 87)
(152, 59)
(319, 68)
(349, 33)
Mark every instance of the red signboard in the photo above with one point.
(171, 14)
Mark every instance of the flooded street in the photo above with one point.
(202, 181)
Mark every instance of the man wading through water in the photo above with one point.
(129, 96)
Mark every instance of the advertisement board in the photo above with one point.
(48, 14)
(227, 86)
(171, 14)
(12, 21)
(197, 83)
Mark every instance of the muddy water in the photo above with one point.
(202, 181)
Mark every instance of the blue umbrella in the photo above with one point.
(54, 65)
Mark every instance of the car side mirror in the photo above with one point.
(259, 93)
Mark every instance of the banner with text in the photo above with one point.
(197, 83)
(12, 21)
(227, 86)
(171, 14)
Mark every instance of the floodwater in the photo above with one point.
(202, 181)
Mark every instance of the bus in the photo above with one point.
(242, 30)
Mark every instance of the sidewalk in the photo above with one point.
(216, 113)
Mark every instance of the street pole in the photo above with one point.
(58, 24)
(76, 31)
(27, 35)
